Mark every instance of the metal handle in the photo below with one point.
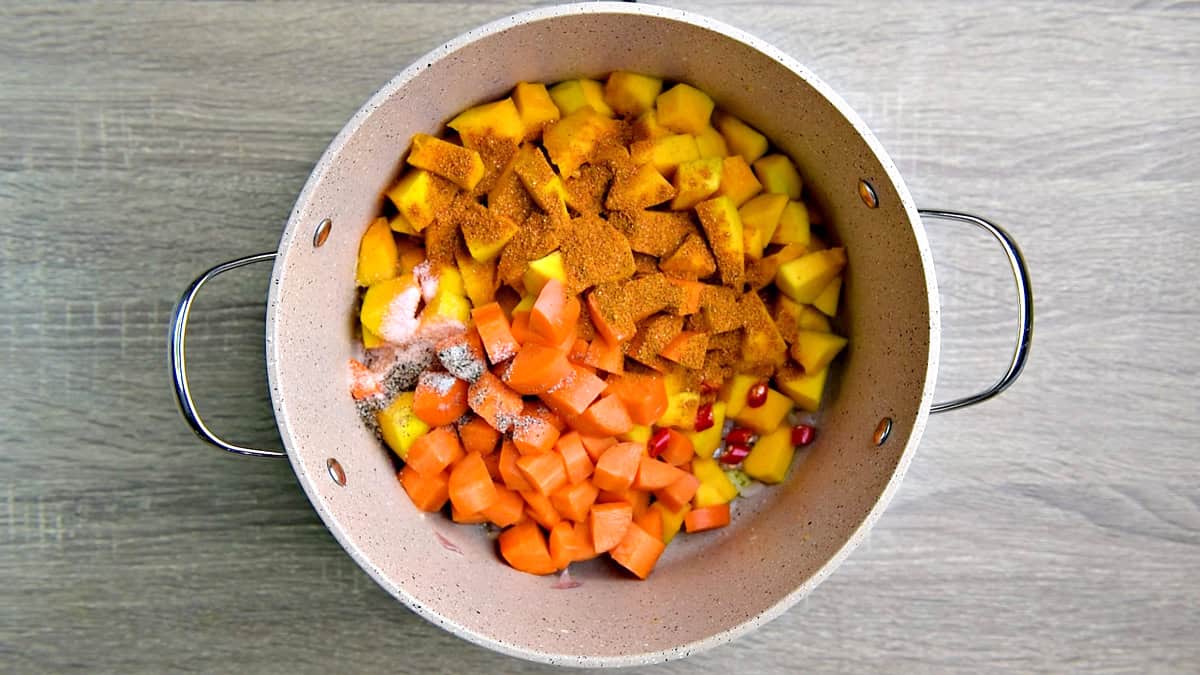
(177, 335)
(1024, 309)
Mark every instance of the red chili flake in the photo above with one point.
(658, 442)
(803, 434)
(704, 417)
(757, 395)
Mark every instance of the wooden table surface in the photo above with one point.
(1056, 528)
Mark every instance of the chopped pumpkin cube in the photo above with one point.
(647, 128)
(771, 456)
(741, 138)
(457, 164)
(691, 260)
(644, 187)
(498, 119)
(684, 109)
(711, 143)
(737, 180)
(655, 233)
(535, 108)
(793, 225)
(485, 232)
(695, 181)
(760, 217)
(631, 94)
(544, 186)
(573, 95)
(815, 350)
(804, 388)
(827, 301)
(378, 257)
(723, 227)
(778, 174)
(594, 252)
(419, 196)
(666, 152)
(804, 278)
(576, 138)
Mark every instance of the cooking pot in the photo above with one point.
(784, 540)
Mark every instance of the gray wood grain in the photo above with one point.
(1056, 528)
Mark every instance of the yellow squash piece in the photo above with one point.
(778, 174)
(723, 227)
(793, 225)
(715, 487)
(792, 317)
(804, 278)
(381, 298)
(496, 120)
(803, 388)
(369, 339)
(681, 410)
(692, 260)
(419, 197)
(459, 165)
(733, 393)
(545, 187)
(478, 278)
(535, 108)
(672, 520)
(666, 152)
(827, 301)
(378, 258)
(446, 306)
(647, 128)
(760, 217)
(643, 188)
(737, 180)
(572, 95)
(412, 253)
(696, 181)
(767, 416)
(400, 224)
(741, 138)
(631, 94)
(815, 350)
(706, 442)
(771, 456)
(640, 433)
(485, 232)
(542, 270)
(572, 140)
(711, 143)
(399, 425)
(684, 109)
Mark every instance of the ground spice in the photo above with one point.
(719, 220)
(691, 261)
(763, 345)
(719, 310)
(593, 253)
(649, 295)
(653, 334)
(609, 300)
(442, 236)
(448, 160)
(657, 233)
(692, 348)
(645, 264)
(484, 229)
(496, 153)
(508, 195)
(586, 192)
(539, 236)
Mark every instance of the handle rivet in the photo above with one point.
(335, 471)
(867, 192)
(882, 431)
(322, 232)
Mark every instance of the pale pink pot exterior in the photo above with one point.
(707, 589)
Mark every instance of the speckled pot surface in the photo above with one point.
(782, 542)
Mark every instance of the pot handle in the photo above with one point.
(1024, 309)
(176, 336)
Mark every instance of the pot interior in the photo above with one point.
(707, 588)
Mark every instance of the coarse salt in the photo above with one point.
(400, 320)
(427, 279)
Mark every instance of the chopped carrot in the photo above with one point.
(603, 354)
(609, 523)
(675, 495)
(537, 369)
(583, 530)
(579, 350)
(495, 402)
(574, 501)
(707, 518)
(644, 395)
(466, 518)
(478, 436)
(509, 473)
(687, 348)
(495, 332)
(471, 488)
(542, 411)
(572, 396)
(575, 457)
(462, 354)
(596, 445)
(544, 471)
(523, 547)
(617, 467)
(533, 435)
(428, 493)
(679, 450)
(431, 453)
(508, 509)
(651, 521)
(615, 332)
(492, 461)
(638, 550)
(567, 546)
(606, 416)
(554, 313)
(363, 382)
(655, 475)
(538, 506)
(638, 499)
(440, 398)
(689, 302)
(520, 328)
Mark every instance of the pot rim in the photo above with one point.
(293, 230)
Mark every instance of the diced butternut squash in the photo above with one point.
(827, 300)
(542, 270)
(706, 442)
(419, 196)
(666, 152)
(647, 128)
(760, 216)
(804, 278)
(692, 260)
(572, 140)
(684, 109)
(643, 188)
(815, 350)
(631, 94)
(771, 456)
(711, 143)
(805, 388)
(778, 175)
(573, 95)
(737, 180)
(535, 108)
(389, 308)
(399, 424)
(479, 278)
(695, 181)
(672, 519)
(741, 138)
(715, 487)
(485, 232)
(723, 227)
(378, 257)
(459, 165)
(496, 120)
(793, 225)
(767, 416)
